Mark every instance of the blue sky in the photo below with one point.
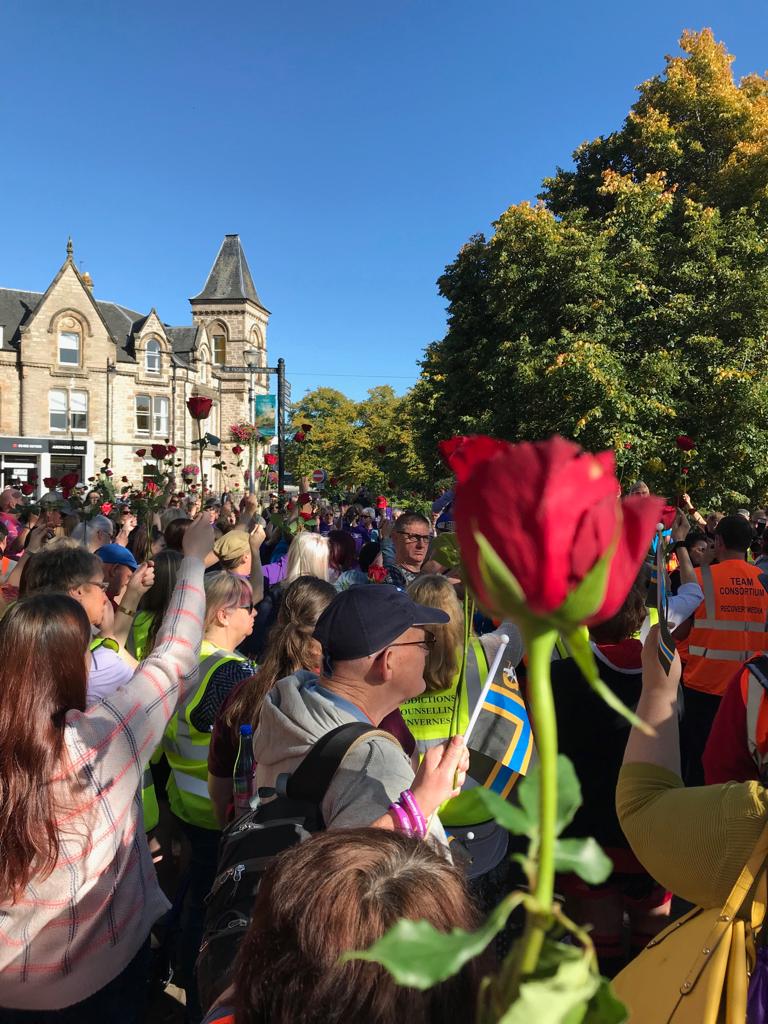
(353, 146)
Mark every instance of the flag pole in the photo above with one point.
(487, 685)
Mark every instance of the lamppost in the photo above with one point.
(251, 355)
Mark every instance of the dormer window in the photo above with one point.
(69, 348)
(152, 356)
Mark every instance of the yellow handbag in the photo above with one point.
(697, 970)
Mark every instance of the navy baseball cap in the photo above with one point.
(116, 554)
(367, 618)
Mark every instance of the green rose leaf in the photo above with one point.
(513, 819)
(588, 596)
(578, 644)
(603, 1007)
(505, 592)
(584, 857)
(559, 992)
(568, 793)
(418, 955)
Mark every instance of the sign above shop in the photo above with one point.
(22, 445)
(68, 447)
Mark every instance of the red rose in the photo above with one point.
(27, 489)
(151, 487)
(304, 498)
(667, 516)
(106, 462)
(69, 480)
(306, 427)
(158, 451)
(236, 449)
(550, 512)
(306, 516)
(685, 443)
(141, 452)
(270, 460)
(627, 445)
(377, 573)
(684, 471)
(199, 407)
(106, 508)
(333, 481)
(124, 479)
(299, 436)
(108, 472)
(290, 506)
(50, 482)
(172, 449)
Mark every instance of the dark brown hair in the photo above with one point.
(342, 553)
(340, 891)
(158, 597)
(174, 533)
(61, 566)
(43, 642)
(288, 647)
(629, 618)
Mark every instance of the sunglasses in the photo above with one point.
(425, 644)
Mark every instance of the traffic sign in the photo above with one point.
(318, 477)
(231, 369)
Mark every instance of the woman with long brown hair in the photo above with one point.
(78, 893)
(290, 647)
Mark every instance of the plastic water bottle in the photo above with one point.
(245, 768)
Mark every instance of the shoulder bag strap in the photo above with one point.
(312, 778)
(732, 906)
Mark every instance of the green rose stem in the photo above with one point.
(539, 644)
(200, 459)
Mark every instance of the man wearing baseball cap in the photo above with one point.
(119, 566)
(374, 641)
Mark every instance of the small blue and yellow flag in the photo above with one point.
(501, 742)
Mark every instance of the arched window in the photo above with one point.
(152, 357)
(219, 339)
(69, 341)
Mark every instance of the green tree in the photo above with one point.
(630, 304)
(360, 444)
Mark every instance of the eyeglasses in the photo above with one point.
(425, 644)
(102, 584)
(414, 538)
(247, 607)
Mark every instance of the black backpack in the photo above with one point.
(248, 846)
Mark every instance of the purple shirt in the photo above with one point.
(275, 571)
(108, 672)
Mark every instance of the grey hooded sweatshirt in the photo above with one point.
(373, 774)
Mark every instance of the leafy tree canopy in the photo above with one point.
(630, 304)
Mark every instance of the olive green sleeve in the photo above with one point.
(694, 842)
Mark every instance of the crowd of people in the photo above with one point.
(134, 654)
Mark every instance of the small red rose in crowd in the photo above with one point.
(306, 516)
(172, 449)
(108, 472)
(685, 443)
(50, 482)
(304, 498)
(199, 407)
(549, 511)
(377, 573)
(106, 462)
(27, 489)
(290, 506)
(306, 427)
(627, 445)
(141, 452)
(158, 451)
(333, 481)
(300, 435)
(106, 508)
(151, 487)
(685, 470)
(124, 479)
(270, 460)
(236, 449)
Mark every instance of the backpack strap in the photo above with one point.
(313, 776)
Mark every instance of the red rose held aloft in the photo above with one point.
(151, 487)
(299, 435)
(236, 449)
(108, 472)
(306, 516)
(50, 482)
(270, 460)
(106, 508)
(172, 449)
(27, 489)
(141, 452)
(158, 451)
(627, 445)
(199, 407)
(304, 498)
(667, 516)
(684, 471)
(685, 443)
(69, 480)
(550, 512)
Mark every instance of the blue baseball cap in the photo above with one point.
(116, 554)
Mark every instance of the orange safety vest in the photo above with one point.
(754, 693)
(730, 626)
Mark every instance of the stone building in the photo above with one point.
(82, 379)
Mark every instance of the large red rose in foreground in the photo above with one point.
(199, 407)
(550, 512)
